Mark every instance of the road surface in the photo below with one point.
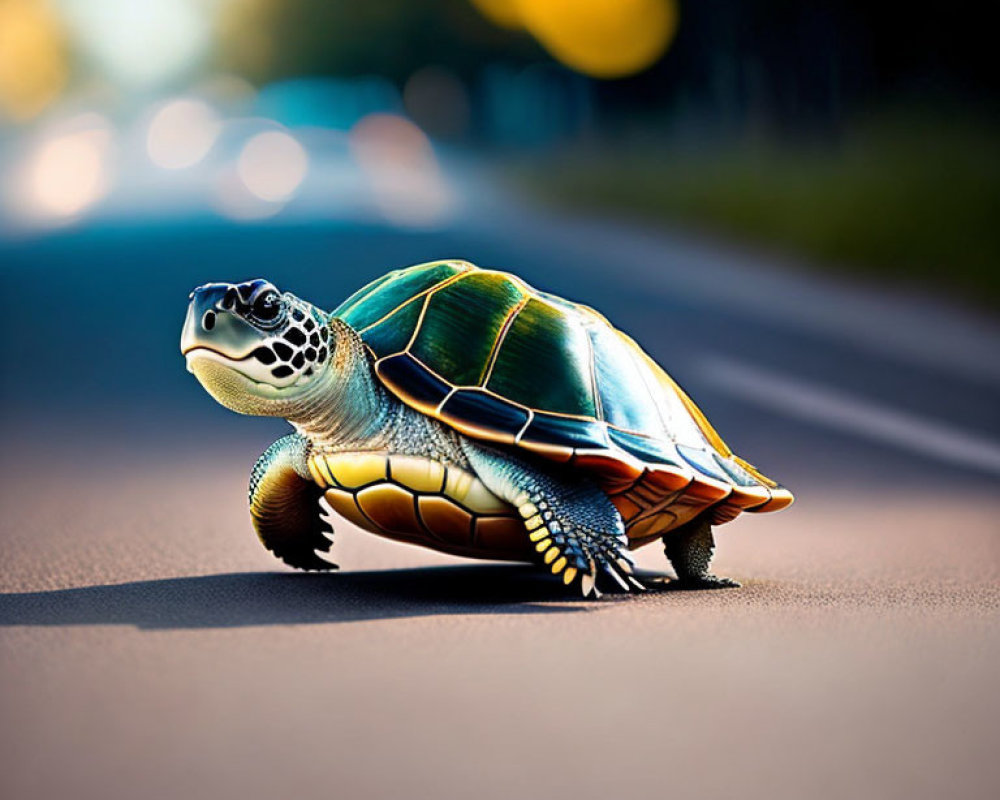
(150, 648)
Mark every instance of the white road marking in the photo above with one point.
(839, 410)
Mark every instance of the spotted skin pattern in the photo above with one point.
(462, 410)
(302, 346)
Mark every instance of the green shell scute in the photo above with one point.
(487, 354)
(372, 303)
(625, 398)
(462, 324)
(543, 362)
(392, 334)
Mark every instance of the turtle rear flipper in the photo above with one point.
(689, 549)
(284, 506)
(574, 529)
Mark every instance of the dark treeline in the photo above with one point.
(794, 64)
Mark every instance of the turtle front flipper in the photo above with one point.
(576, 531)
(284, 506)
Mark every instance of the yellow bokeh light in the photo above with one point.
(32, 57)
(601, 38)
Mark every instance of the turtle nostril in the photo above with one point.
(208, 321)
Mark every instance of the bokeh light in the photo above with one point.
(141, 44)
(600, 38)
(32, 57)
(234, 201)
(402, 170)
(181, 133)
(68, 170)
(272, 165)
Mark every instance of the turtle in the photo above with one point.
(460, 409)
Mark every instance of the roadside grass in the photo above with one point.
(914, 203)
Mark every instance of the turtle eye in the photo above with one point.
(267, 306)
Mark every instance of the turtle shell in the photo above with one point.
(487, 354)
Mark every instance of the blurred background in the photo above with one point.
(791, 205)
(855, 135)
(148, 146)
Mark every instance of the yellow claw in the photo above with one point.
(550, 554)
(558, 566)
(568, 575)
(543, 545)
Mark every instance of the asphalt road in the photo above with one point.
(149, 647)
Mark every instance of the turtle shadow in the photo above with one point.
(266, 598)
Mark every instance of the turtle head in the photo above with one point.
(255, 349)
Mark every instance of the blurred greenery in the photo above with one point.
(905, 198)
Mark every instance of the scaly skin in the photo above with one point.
(258, 352)
(348, 410)
(689, 549)
(575, 528)
(284, 506)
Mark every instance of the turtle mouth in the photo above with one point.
(195, 347)
(202, 353)
(243, 366)
(207, 364)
